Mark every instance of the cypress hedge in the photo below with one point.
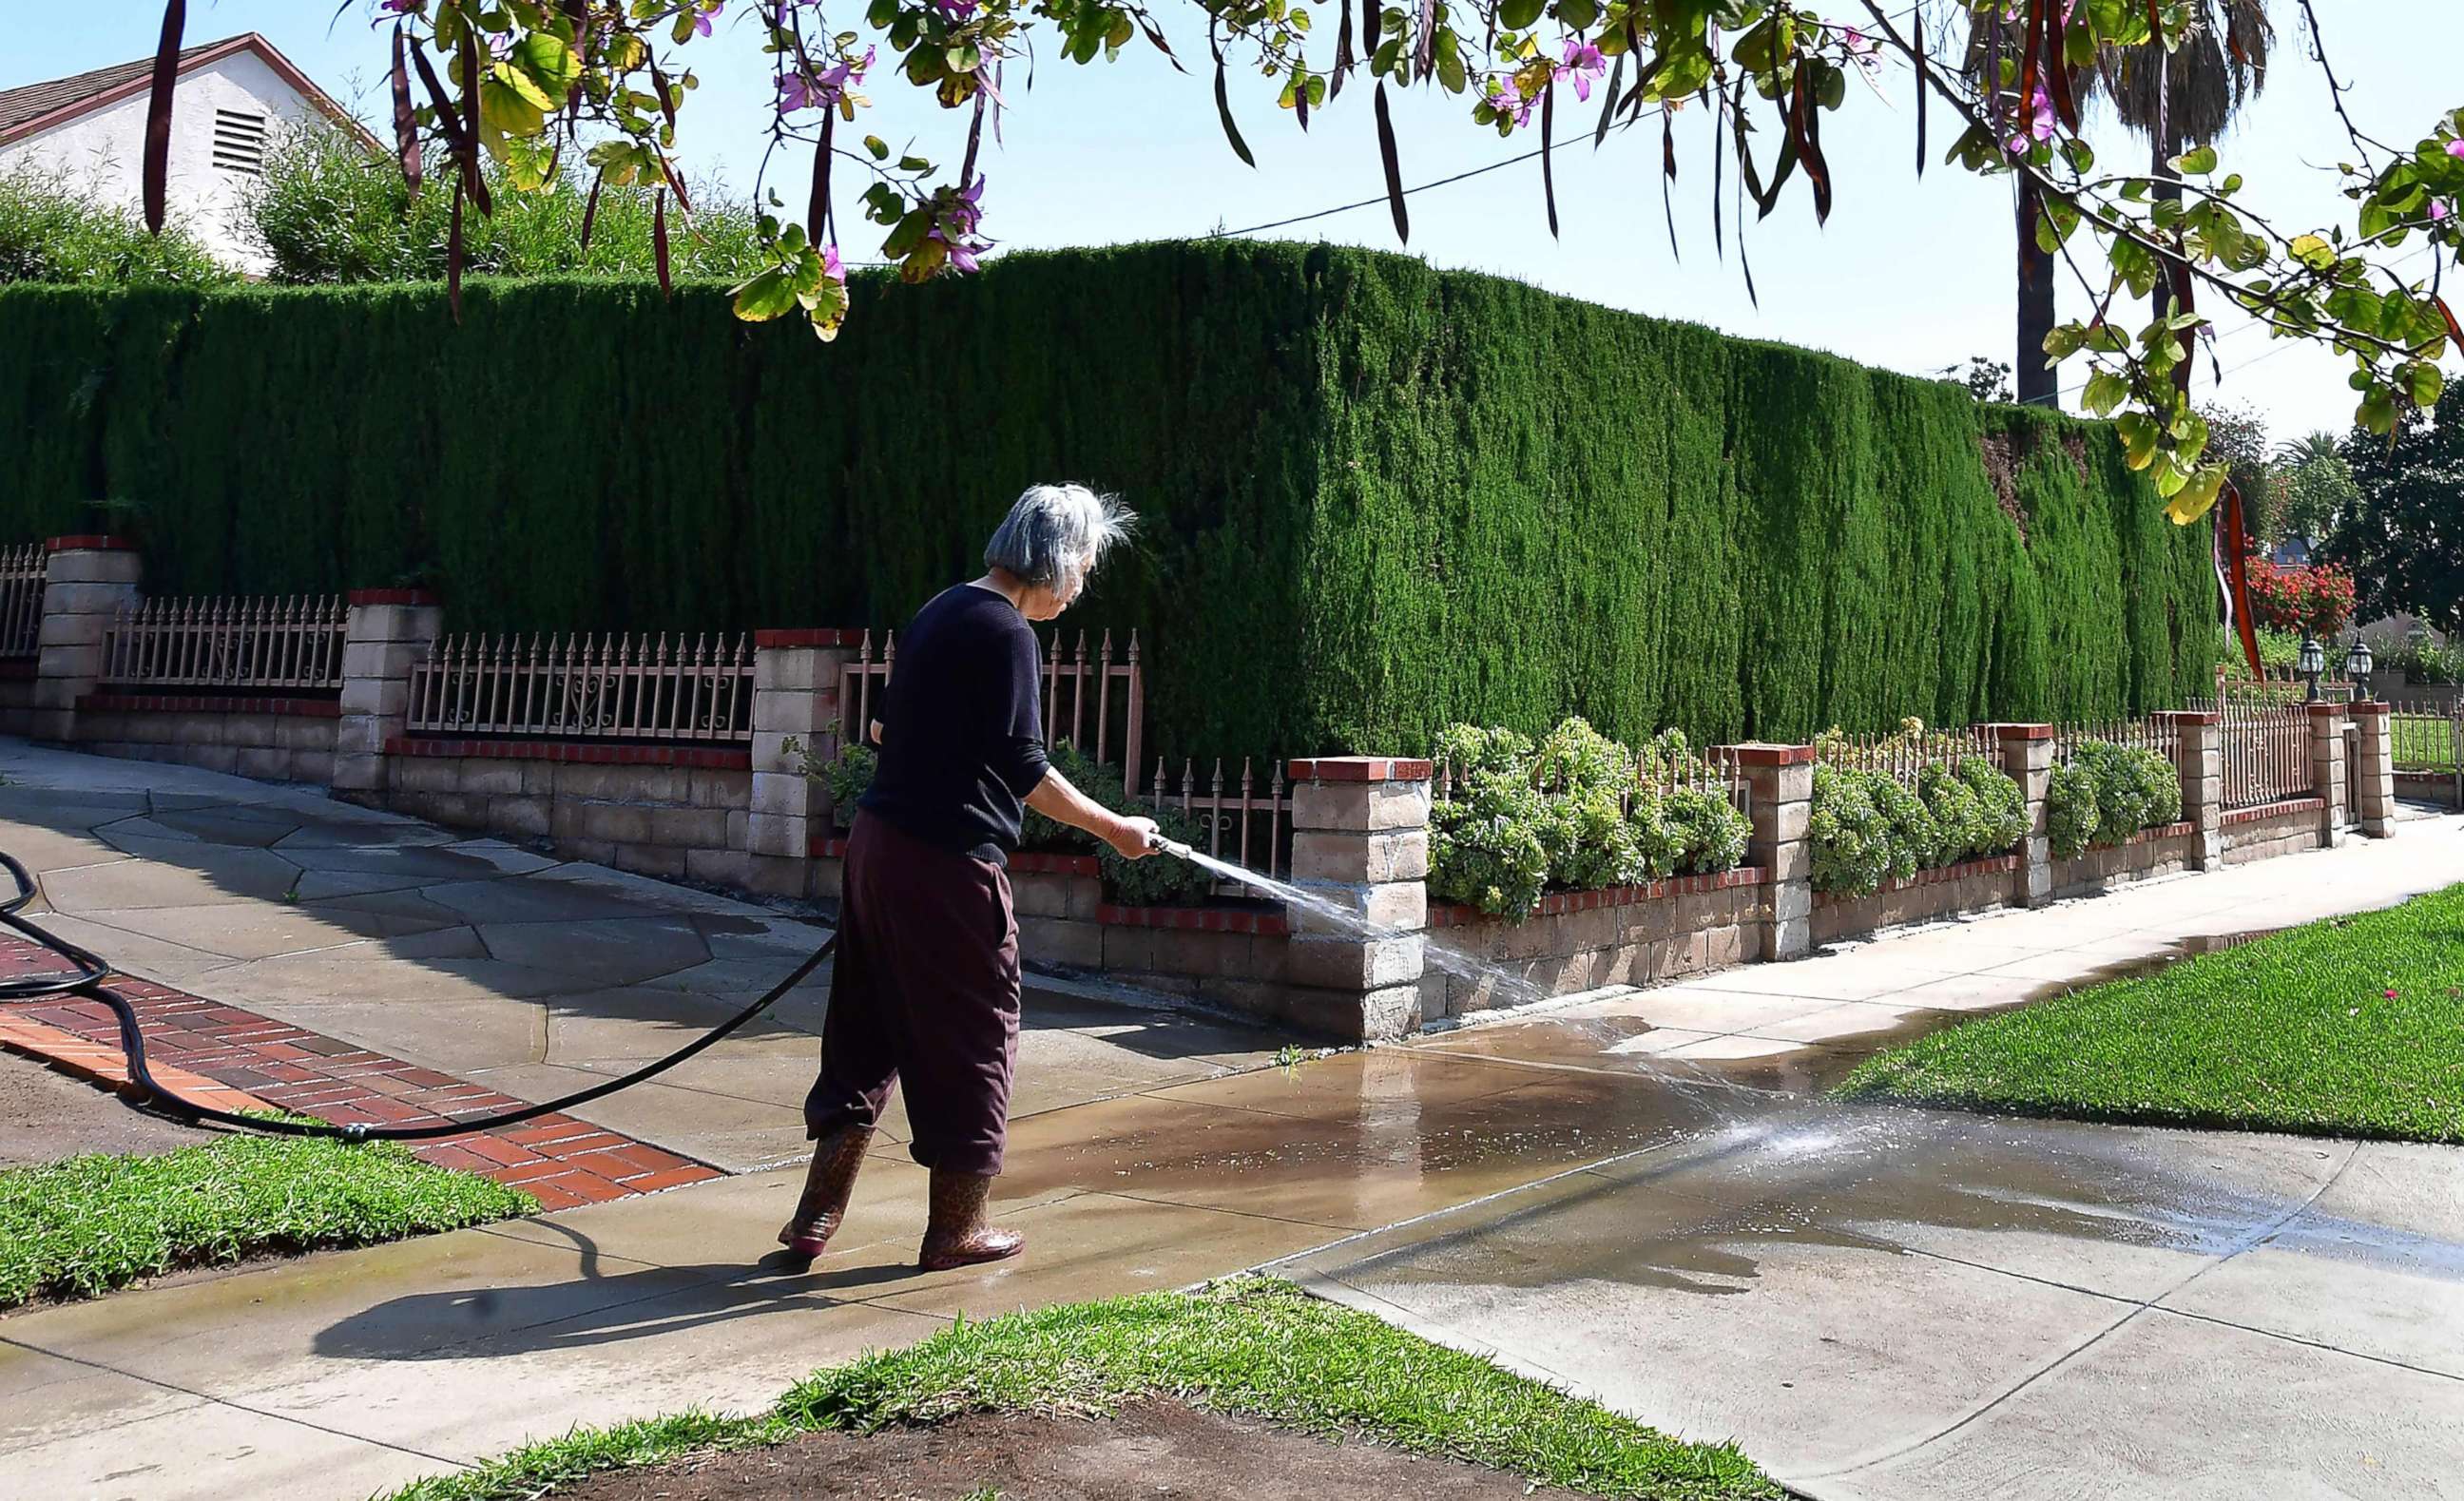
(1377, 497)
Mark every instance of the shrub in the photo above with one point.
(50, 232)
(1977, 810)
(849, 777)
(1485, 845)
(2071, 815)
(2135, 788)
(1849, 835)
(1522, 818)
(1705, 829)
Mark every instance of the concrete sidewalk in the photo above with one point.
(1154, 1150)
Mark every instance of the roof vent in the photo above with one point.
(239, 142)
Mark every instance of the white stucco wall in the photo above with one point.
(103, 152)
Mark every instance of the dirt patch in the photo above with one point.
(2002, 468)
(45, 1116)
(1156, 1448)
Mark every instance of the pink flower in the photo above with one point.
(2439, 209)
(2038, 126)
(701, 23)
(956, 9)
(1583, 63)
(2389, 993)
(831, 266)
(2456, 149)
(1508, 101)
(798, 92)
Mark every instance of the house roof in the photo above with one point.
(39, 106)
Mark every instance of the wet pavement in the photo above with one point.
(1632, 1194)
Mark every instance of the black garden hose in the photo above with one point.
(91, 971)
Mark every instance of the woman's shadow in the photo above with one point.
(593, 1309)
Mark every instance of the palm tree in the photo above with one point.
(1990, 41)
(2185, 98)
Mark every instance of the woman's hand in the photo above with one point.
(1133, 838)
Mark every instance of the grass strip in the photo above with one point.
(86, 1225)
(1251, 1346)
(2353, 1026)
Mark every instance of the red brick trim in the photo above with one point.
(1762, 753)
(1361, 768)
(816, 636)
(2330, 711)
(206, 703)
(90, 543)
(699, 757)
(2181, 716)
(826, 847)
(2267, 811)
(2022, 732)
(1196, 919)
(2163, 831)
(390, 597)
(2370, 709)
(20, 669)
(237, 1058)
(1557, 902)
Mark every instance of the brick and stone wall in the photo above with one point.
(661, 811)
(2151, 853)
(1582, 940)
(272, 740)
(1946, 891)
(2272, 828)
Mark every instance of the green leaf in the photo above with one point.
(765, 296)
(2428, 383)
(2198, 163)
(549, 62)
(2314, 252)
(1516, 15)
(879, 147)
(913, 163)
(2105, 390)
(2197, 497)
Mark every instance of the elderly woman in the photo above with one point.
(927, 982)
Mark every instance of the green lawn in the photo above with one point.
(1252, 1346)
(87, 1224)
(2353, 1026)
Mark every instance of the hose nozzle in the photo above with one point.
(1171, 846)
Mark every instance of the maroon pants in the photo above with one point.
(925, 990)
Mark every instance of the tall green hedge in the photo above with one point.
(1377, 497)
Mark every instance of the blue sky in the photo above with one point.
(1912, 274)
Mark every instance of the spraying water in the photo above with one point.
(1347, 918)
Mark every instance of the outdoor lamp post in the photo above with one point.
(2358, 663)
(2312, 662)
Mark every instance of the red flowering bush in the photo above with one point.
(2317, 600)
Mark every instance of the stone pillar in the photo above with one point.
(2327, 770)
(1779, 781)
(1360, 839)
(2377, 813)
(2028, 759)
(385, 633)
(2199, 757)
(87, 582)
(795, 698)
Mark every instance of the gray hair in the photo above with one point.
(1055, 533)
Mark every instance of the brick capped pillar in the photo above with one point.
(795, 700)
(2377, 774)
(87, 582)
(2327, 770)
(1779, 782)
(385, 633)
(2199, 757)
(1360, 838)
(2028, 759)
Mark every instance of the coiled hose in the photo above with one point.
(91, 970)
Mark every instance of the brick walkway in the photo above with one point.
(558, 1160)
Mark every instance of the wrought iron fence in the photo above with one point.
(2151, 734)
(1084, 691)
(2266, 751)
(693, 691)
(1247, 820)
(21, 600)
(2427, 740)
(292, 643)
(1903, 755)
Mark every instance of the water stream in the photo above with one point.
(1513, 989)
